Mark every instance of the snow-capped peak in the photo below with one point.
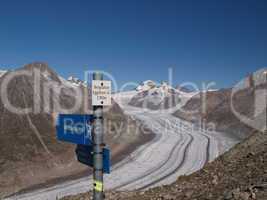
(146, 85)
(2, 72)
(165, 86)
(76, 81)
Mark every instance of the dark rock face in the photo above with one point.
(21, 134)
(216, 107)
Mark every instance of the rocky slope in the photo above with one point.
(30, 152)
(227, 108)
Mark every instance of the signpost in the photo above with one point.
(100, 95)
(87, 132)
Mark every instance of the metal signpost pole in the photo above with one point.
(98, 144)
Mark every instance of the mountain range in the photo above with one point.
(238, 174)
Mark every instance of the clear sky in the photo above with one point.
(135, 40)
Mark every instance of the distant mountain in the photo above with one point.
(184, 89)
(76, 81)
(30, 152)
(156, 97)
(146, 85)
(247, 99)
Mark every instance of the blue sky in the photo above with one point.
(214, 40)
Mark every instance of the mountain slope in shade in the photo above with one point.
(248, 99)
(30, 152)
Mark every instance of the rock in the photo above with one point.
(228, 195)
(236, 193)
(253, 195)
(169, 197)
(142, 193)
(215, 180)
(189, 193)
(244, 196)
(250, 154)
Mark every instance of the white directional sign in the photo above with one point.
(101, 93)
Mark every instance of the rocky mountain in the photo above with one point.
(237, 111)
(158, 97)
(31, 98)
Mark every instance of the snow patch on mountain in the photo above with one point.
(76, 81)
(2, 72)
(162, 96)
(47, 75)
(146, 85)
(163, 89)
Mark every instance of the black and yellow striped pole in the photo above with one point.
(98, 144)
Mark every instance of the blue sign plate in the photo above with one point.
(106, 161)
(85, 156)
(75, 128)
